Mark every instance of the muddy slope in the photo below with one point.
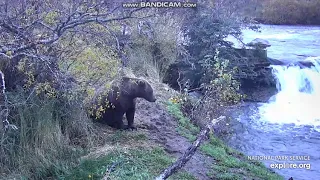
(161, 128)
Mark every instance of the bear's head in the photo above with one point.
(145, 90)
(134, 87)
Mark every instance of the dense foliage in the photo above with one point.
(204, 68)
(54, 56)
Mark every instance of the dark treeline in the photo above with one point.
(289, 12)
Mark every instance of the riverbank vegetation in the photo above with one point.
(56, 55)
(228, 163)
(284, 12)
(292, 12)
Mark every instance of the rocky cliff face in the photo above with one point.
(253, 70)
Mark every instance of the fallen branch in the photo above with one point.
(110, 169)
(190, 151)
(179, 83)
(5, 111)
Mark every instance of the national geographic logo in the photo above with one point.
(160, 4)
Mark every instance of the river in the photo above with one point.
(288, 125)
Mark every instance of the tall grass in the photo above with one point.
(52, 134)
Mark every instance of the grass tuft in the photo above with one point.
(138, 163)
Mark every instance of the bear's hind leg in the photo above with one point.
(118, 122)
(130, 118)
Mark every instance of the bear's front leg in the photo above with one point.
(130, 118)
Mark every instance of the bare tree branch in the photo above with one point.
(77, 18)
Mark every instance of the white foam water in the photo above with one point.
(275, 36)
(298, 98)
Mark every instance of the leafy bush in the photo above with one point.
(219, 83)
(219, 88)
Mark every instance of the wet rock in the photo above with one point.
(275, 61)
(304, 64)
(261, 94)
(259, 43)
(301, 64)
(194, 96)
(254, 69)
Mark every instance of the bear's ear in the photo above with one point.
(141, 83)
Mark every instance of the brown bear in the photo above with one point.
(120, 100)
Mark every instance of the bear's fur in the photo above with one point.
(120, 100)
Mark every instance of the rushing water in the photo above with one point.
(288, 43)
(289, 124)
(298, 99)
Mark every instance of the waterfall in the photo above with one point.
(298, 98)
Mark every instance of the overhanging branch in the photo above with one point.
(56, 33)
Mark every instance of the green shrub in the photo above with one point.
(219, 83)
